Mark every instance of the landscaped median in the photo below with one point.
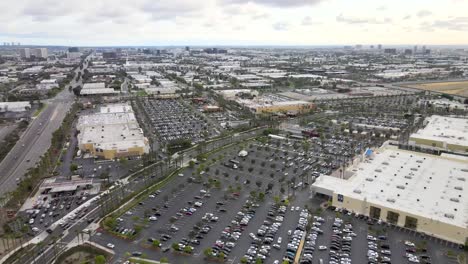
(110, 221)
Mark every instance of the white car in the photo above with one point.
(279, 240)
(110, 245)
(153, 218)
(322, 247)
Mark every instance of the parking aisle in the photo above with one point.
(244, 241)
(289, 223)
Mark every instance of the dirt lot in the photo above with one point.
(455, 88)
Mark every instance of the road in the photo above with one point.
(36, 139)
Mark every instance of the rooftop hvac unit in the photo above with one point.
(369, 179)
(461, 179)
(357, 191)
(454, 200)
(465, 170)
(451, 216)
(392, 156)
(391, 200)
(385, 163)
(419, 161)
(414, 169)
(408, 177)
(401, 187)
(458, 188)
(378, 170)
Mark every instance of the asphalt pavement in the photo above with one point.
(35, 141)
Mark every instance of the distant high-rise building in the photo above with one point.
(371, 46)
(390, 51)
(39, 53)
(379, 46)
(109, 55)
(415, 49)
(187, 48)
(73, 49)
(408, 52)
(358, 46)
(424, 49)
(25, 53)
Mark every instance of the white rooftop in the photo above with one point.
(99, 85)
(117, 136)
(103, 119)
(430, 186)
(446, 129)
(117, 108)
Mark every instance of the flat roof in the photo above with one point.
(450, 130)
(106, 119)
(431, 186)
(115, 136)
(116, 108)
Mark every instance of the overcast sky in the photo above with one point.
(233, 22)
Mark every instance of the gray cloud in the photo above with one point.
(260, 16)
(281, 26)
(424, 13)
(361, 20)
(45, 10)
(455, 24)
(381, 8)
(275, 3)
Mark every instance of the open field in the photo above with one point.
(453, 88)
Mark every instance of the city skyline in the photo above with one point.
(235, 23)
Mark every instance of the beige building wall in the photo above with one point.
(112, 153)
(439, 144)
(428, 226)
(284, 108)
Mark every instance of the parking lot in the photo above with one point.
(172, 120)
(233, 206)
(52, 203)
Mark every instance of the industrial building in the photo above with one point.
(112, 133)
(15, 106)
(422, 192)
(444, 133)
(97, 89)
(262, 106)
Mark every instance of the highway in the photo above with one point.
(35, 141)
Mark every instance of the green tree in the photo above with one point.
(221, 255)
(73, 167)
(175, 246)
(276, 199)
(188, 249)
(261, 196)
(243, 260)
(156, 243)
(208, 252)
(100, 259)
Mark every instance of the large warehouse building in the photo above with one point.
(418, 191)
(112, 133)
(442, 132)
